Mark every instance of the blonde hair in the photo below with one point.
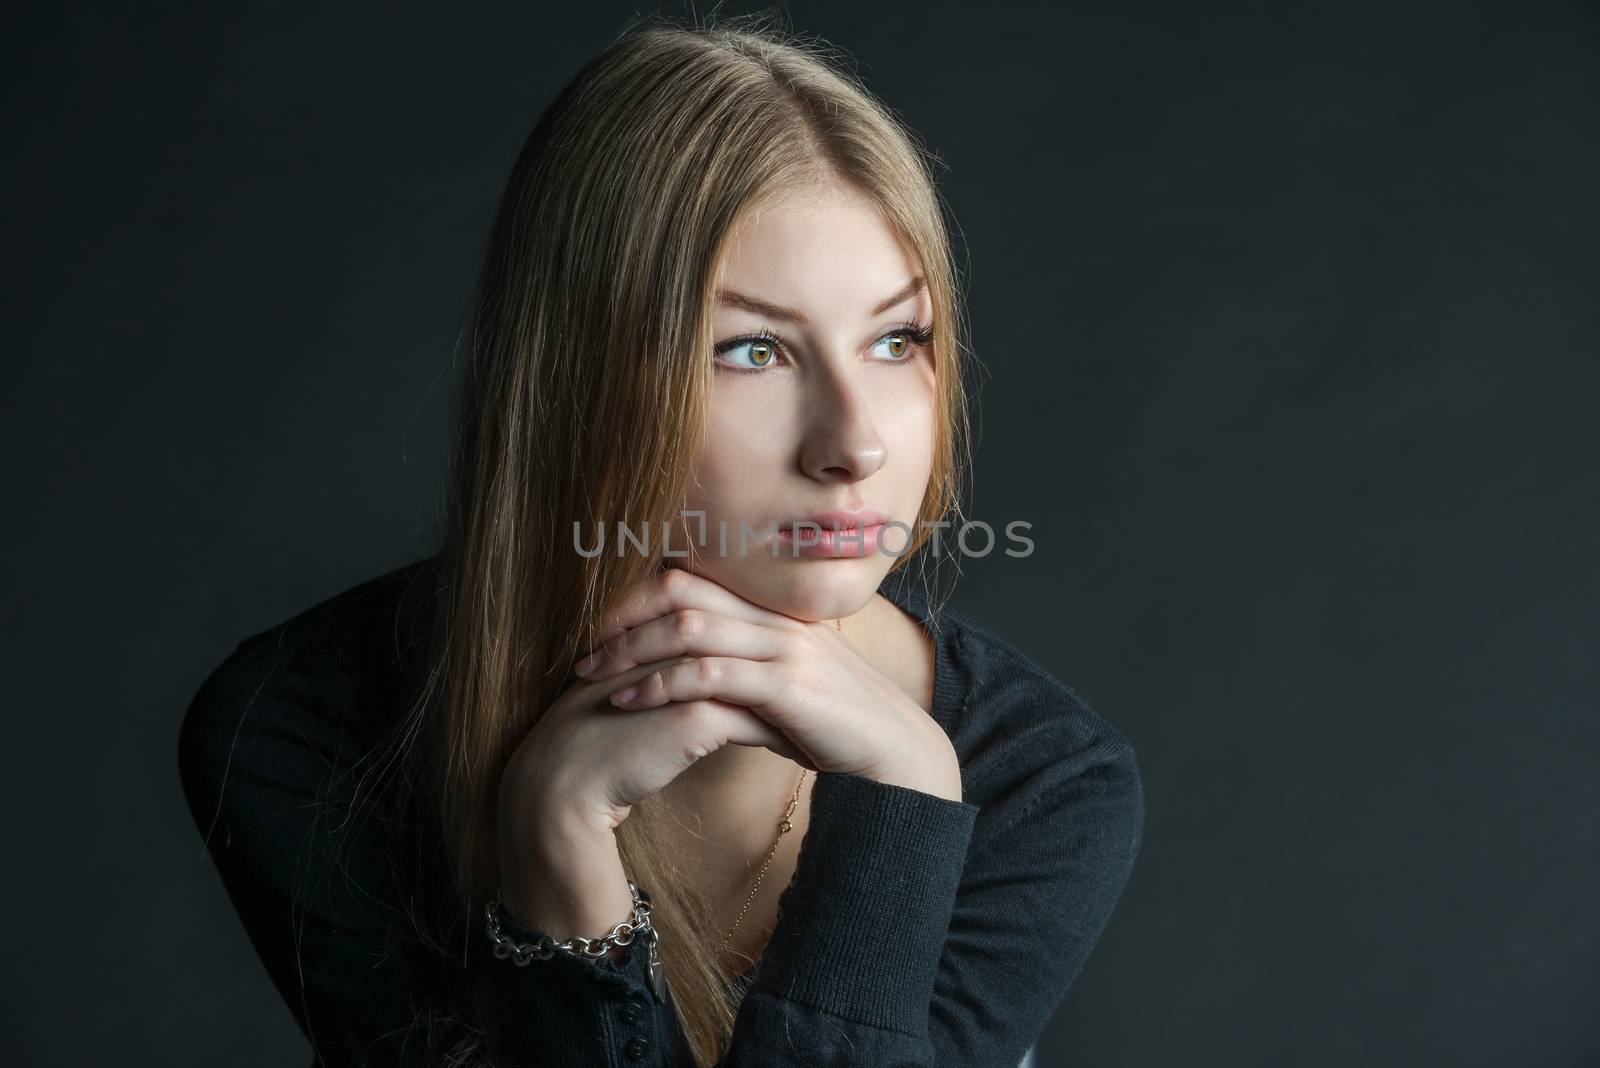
(583, 397)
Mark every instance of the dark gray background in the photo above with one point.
(1290, 328)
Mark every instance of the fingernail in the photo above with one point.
(625, 695)
(587, 664)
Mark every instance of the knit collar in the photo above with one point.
(951, 667)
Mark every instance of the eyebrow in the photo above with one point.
(777, 311)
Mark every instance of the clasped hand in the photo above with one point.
(804, 679)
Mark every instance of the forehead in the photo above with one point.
(823, 248)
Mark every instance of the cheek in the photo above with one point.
(744, 444)
(905, 416)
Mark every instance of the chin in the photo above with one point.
(806, 589)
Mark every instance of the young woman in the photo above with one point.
(819, 824)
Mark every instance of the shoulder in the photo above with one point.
(273, 757)
(1048, 768)
(1004, 685)
(302, 698)
(1033, 750)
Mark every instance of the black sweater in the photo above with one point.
(916, 930)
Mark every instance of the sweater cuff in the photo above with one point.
(862, 926)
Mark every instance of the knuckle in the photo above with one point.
(672, 581)
(707, 670)
(687, 622)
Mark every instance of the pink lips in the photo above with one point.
(851, 533)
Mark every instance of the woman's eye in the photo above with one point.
(898, 344)
(761, 353)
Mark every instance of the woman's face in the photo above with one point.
(835, 414)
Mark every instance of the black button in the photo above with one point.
(636, 1049)
(632, 1013)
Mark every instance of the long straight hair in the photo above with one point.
(583, 399)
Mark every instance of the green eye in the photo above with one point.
(764, 348)
(911, 334)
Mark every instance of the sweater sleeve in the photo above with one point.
(848, 975)
(574, 1012)
(1046, 871)
(898, 946)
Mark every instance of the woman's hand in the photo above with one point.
(804, 679)
(583, 765)
(711, 669)
(574, 778)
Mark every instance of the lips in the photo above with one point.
(851, 519)
(851, 533)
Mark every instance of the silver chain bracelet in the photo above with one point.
(544, 947)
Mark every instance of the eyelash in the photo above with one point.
(920, 335)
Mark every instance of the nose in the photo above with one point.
(841, 441)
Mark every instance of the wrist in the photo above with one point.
(542, 829)
(556, 835)
(936, 771)
(564, 878)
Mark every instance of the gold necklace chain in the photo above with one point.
(784, 826)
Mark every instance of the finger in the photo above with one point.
(729, 724)
(676, 588)
(752, 684)
(595, 691)
(684, 632)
